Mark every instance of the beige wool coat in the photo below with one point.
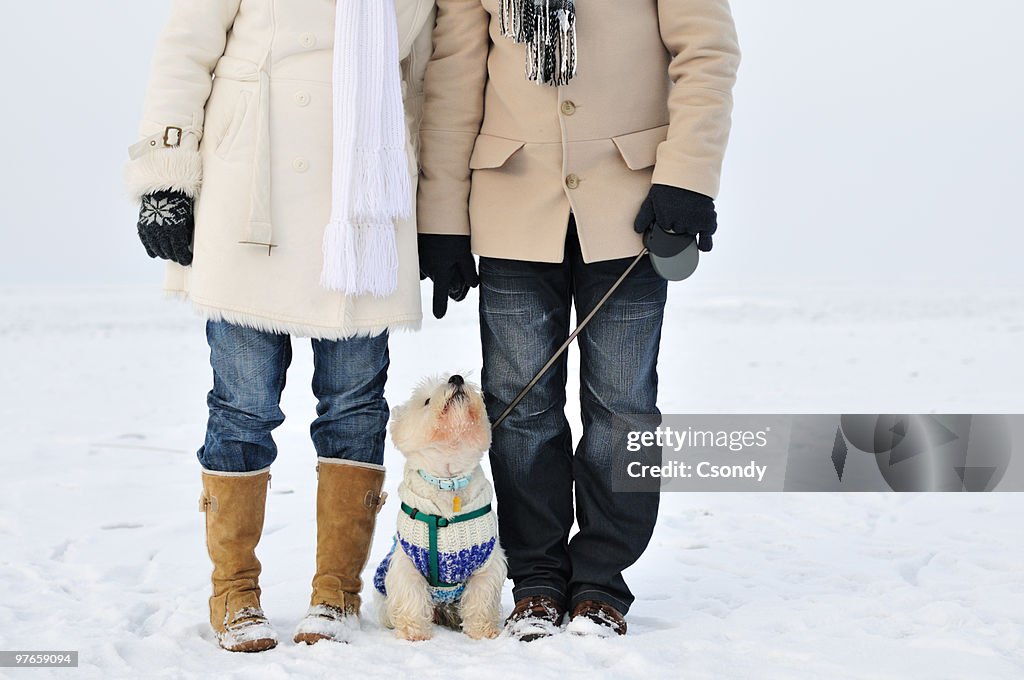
(239, 114)
(506, 160)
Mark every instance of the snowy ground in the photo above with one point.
(101, 549)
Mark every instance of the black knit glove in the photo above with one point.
(679, 211)
(166, 226)
(448, 262)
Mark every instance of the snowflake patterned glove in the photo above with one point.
(166, 226)
(679, 211)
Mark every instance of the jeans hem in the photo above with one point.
(529, 591)
(346, 461)
(216, 473)
(599, 596)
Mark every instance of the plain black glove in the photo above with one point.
(448, 262)
(679, 211)
(166, 226)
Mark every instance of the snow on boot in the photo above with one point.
(534, 617)
(347, 502)
(234, 504)
(597, 619)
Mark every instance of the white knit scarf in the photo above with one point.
(371, 187)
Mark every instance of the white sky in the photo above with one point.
(879, 139)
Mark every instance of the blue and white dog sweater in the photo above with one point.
(463, 547)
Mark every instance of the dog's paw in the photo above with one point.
(485, 631)
(414, 634)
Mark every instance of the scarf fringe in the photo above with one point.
(548, 29)
(371, 182)
(360, 259)
(516, 19)
(382, 185)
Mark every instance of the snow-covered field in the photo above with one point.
(101, 549)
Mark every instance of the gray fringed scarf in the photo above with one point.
(548, 29)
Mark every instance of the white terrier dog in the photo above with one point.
(446, 565)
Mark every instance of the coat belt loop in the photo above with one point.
(260, 230)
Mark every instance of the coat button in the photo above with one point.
(568, 108)
(300, 165)
(302, 99)
(572, 181)
(307, 40)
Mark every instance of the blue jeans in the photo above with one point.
(249, 368)
(524, 318)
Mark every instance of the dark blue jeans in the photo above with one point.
(249, 368)
(524, 318)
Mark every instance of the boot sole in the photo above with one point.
(252, 646)
(311, 638)
(533, 637)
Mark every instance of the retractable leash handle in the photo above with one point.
(561, 350)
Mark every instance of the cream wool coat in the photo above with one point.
(239, 115)
(505, 159)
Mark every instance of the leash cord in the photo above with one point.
(561, 350)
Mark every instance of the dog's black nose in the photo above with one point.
(456, 380)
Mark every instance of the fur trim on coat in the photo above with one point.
(165, 170)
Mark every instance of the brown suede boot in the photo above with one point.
(347, 502)
(535, 617)
(234, 504)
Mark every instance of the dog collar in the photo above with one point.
(446, 483)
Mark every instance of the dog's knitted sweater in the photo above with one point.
(462, 547)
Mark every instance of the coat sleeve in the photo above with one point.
(413, 16)
(701, 37)
(181, 79)
(453, 111)
(414, 67)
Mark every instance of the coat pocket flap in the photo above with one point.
(640, 149)
(233, 68)
(493, 152)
